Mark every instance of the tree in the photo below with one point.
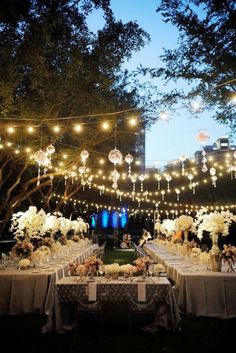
(205, 57)
(53, 69)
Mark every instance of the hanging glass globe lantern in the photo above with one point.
(202, 136)
(115, 175)
(212, 171)
(82, 170)
(41, 158)
(115, 156)
(129, 159)
(50, 149)
(84, 155)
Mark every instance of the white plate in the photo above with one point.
(36, 271)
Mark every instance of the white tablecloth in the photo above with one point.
(202, 293)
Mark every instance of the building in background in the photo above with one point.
(220, 151)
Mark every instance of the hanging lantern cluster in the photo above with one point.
(204, 161)
(213, 176)
(82, 170)
(158, 177)
(232, 168)
(129, 159)
(183, 158)
(115, 157)
(177, 194)
(168, 179)
(202, 136)
(190, 177)
(141, 178)
(84, 156)
(163, 195)
(115, 175)
(43, 159)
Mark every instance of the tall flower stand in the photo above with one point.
(215, 254)
(185, 236)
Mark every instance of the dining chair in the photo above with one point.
(89, 316)
(140, 311)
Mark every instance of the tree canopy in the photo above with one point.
(55, 70)
(205, 57)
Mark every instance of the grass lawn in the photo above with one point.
(120, 256)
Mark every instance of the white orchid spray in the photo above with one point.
(28, 224)
(214, 222)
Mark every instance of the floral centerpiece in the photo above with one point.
(143, 263)
(22, 249)
(229, 256)
(185, 224)
(128, 269)
(215, 223)
(158, 268)
(24, 263)
(92, 263)
(112, 269)
(76, 269)
(167, 227)
(29, 224)
(75, 238)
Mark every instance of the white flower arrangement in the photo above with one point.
(158, 268)
(24, 263)
(28, 224)
(183, 223)
(127, 268)
(79, 226)
(167, 227)
(46, 252)
(214, 223)
(112, 268)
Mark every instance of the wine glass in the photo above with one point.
(101, 270)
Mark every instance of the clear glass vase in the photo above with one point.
(185, 236)
(215, 254)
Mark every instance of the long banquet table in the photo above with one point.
(156, 290)
(202, 293)
(32, 291)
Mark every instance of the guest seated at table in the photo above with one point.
(145, 237)
(126, 241)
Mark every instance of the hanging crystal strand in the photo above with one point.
(141, 178)
(190, 177)
(139, 201)
(38, 181)
(158, 177)
(204, 161)
(133, 195)
(65, 178)
(163, 195)
(90, 179)
(177, 193)
(83, 183)
(133, 179)
(168, 179)
(129, 159)
(146, 195)
(193, 188)
(183, 159)
(213, 176)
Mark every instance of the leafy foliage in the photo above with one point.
(205, 56)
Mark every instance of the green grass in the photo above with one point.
(120, 256)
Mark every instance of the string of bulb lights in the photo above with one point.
(138, 195)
